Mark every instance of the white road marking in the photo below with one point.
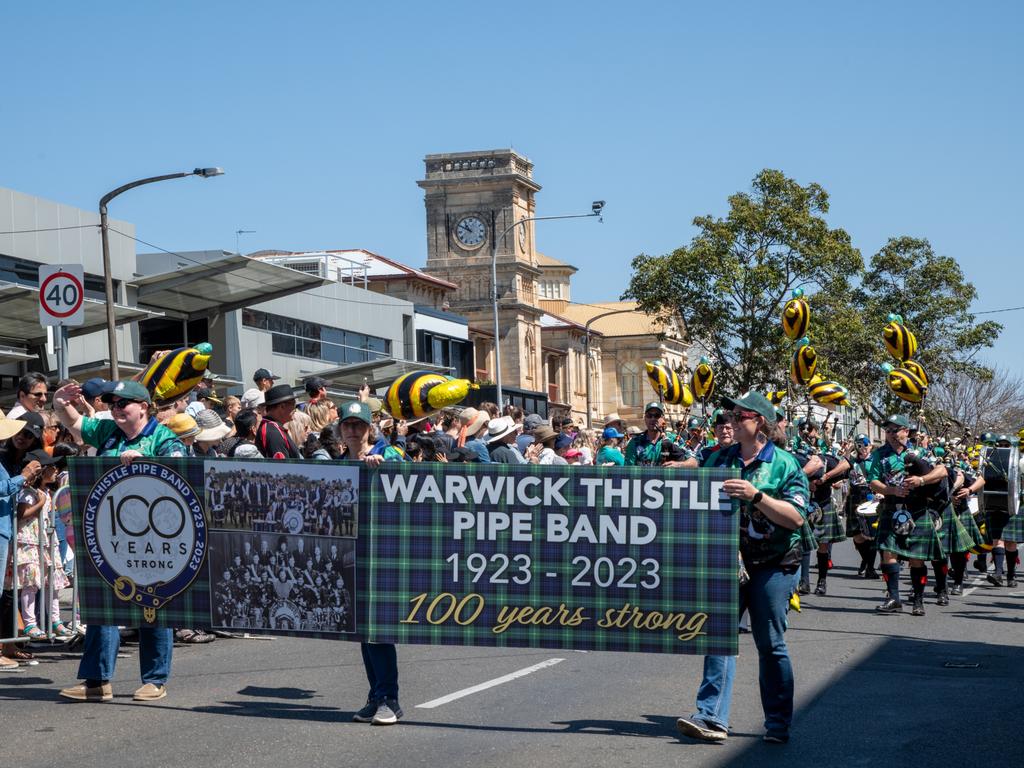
(489, 684)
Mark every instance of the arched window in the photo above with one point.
(531, 356)
(630, 384)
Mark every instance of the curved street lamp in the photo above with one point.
(108, 282)
(595, 210)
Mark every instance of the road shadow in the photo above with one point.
(902, 704)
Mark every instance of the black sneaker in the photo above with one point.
(918, 609)
(995, 579)
(1011, 581)
(820, 589)
(388, 713)
(870, 573)
(365, 715)
(701, 730)
(891, 605)
(942, 598)
(956, 589)
(804, 588)
(775, 737)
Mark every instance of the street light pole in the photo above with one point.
(108, 281)
(596, 207)
(586, 352)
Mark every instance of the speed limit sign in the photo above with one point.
(61, 292)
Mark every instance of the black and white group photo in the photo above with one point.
(292, 499)
(290, 583)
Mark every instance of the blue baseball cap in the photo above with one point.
(610, 432)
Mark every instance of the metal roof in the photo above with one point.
(19, 314)
(221, 285)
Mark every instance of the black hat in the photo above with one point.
(279, 393)
(41, 456)
(33, 424)
(314, 384)
(263, 373)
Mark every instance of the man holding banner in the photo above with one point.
(132, 433)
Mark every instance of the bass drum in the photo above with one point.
(1001, 470)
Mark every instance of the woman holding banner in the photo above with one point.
(133, 432)
(773, 492)
(379, 659)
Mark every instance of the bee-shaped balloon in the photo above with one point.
(420, 393)
(667, 384)
(703, 381)
(899, 340)
(916, 369)
(828, 392)
(905, 384)
(805, 363)
(796, 316)
(775, 396)
(172, 376)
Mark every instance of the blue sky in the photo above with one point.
(909, 114)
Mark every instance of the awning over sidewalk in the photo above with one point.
(379, 373)
(12, 355)
(222, 285)
(19, 315)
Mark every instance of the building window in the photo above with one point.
(438, 349)
(630, 384)
(531, 356)
(316, 342)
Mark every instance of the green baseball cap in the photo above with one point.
(356, 410)
(654, 405)
(126, 390)
(753, 401)
(897, 420)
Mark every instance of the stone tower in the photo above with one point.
(472, 199)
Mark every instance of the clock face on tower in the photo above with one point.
(470, 232)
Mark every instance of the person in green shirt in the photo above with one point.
(609, 452)
(773, 495)
(133, 432)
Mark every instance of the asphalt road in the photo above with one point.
(938, 689)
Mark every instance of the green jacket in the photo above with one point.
(108, 439)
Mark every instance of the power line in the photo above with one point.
(995, 311)
(46, 229)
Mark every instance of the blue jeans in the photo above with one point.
(766, 597)
(381, 663)
(100, 655)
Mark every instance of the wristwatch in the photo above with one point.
(757, 498)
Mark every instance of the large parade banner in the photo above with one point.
(589, 558)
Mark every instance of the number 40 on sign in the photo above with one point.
(61, 294)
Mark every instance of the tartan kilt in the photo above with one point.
(968, 521)
(995, 521)
(807, 541)
(830, 529)
(1014, 529)
(853, 527)
(953, 535)
(922, 543)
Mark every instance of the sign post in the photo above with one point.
(61, 297)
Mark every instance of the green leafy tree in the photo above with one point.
(930, 292)
(730, 282)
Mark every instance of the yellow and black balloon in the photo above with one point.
(905, 384)
(172, 376)
(827, 392)
(796, 316)
(667, 384)
(420, 393)
(804, 364)
(703, 380)
(899, 340)
(775, 396)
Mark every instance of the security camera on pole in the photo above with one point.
(61, 293)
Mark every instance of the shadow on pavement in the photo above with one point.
(903, 704)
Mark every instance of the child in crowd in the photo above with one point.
(35, 515)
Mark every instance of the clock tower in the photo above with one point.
(473, 201)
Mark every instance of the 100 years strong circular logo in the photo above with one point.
(145, 533)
